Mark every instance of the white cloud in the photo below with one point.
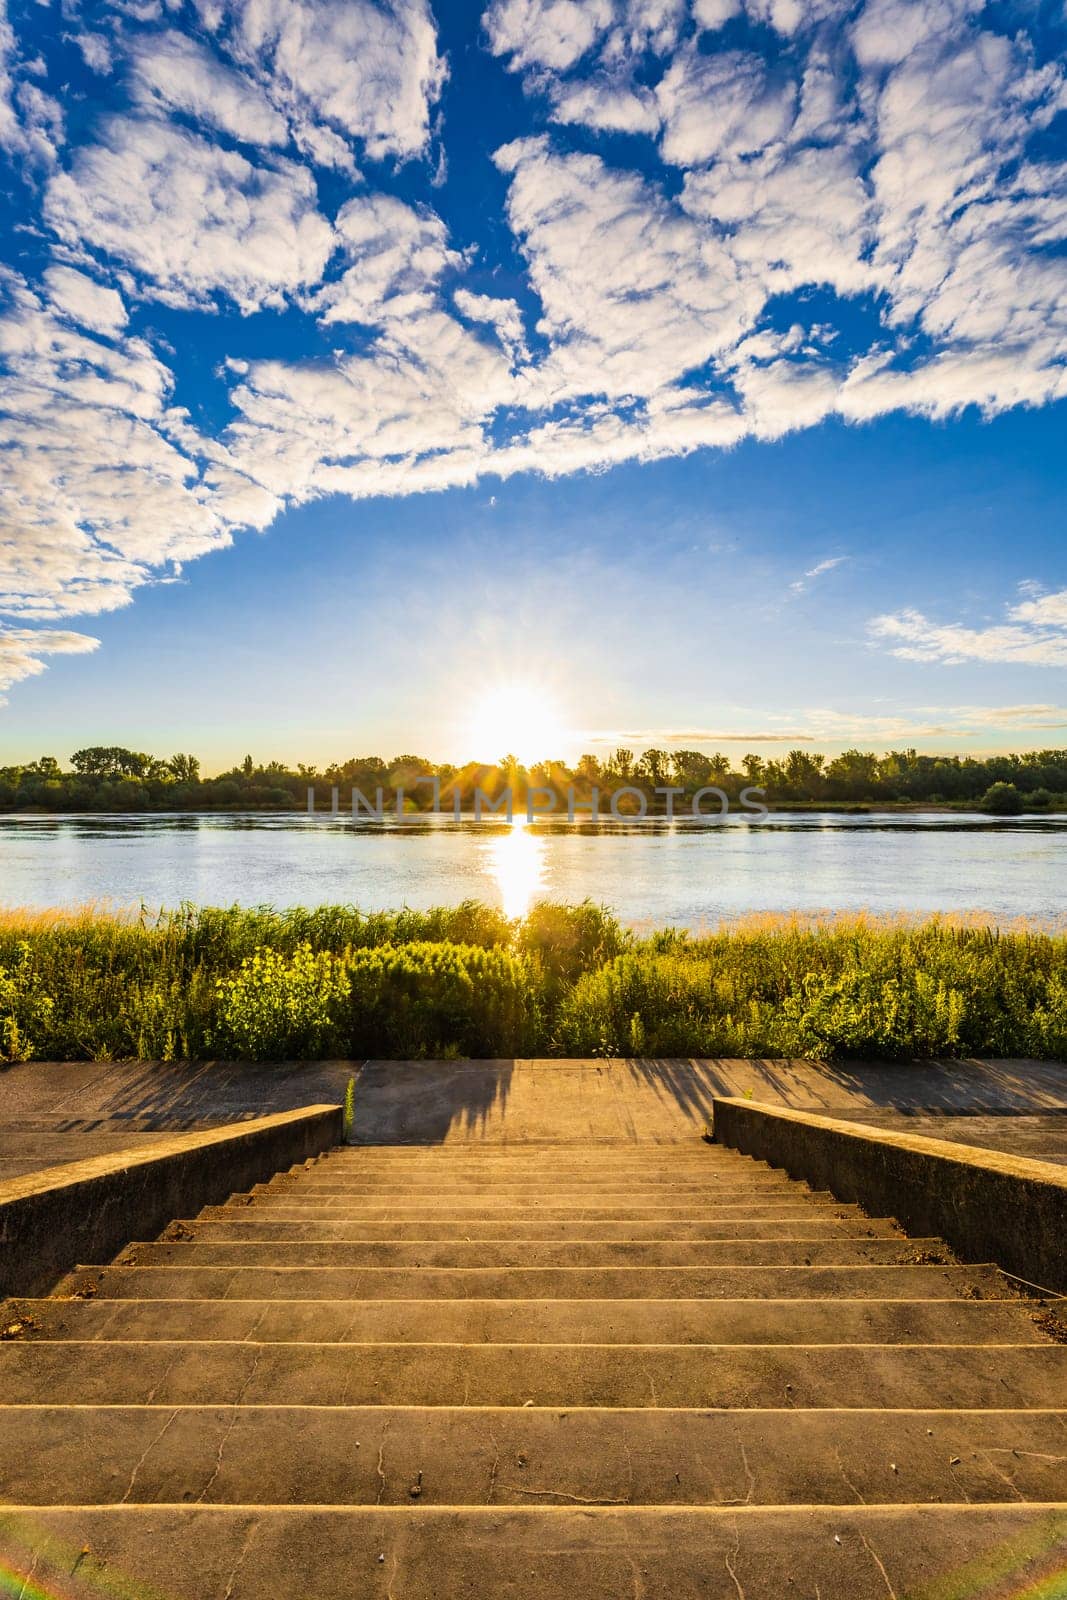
(192, 218)
(9, 125)
(887, 32)
(555, 35)
(96, 51)
(829, 726)
(726, 104)
(794, 217)
(90, 304)
(615, 105)
(175, 73)
(368, 67)
(714, 14)
(817, 571)
(397, 253)
(1035, 634)
(546, 33)
(503, 315)
(22, 649)
(410, 414)
(664, 297)
(98, 489)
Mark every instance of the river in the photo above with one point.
(690, 874)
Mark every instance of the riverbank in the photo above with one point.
(563, 981)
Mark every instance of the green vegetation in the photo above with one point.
(110, 778)
(566, 980)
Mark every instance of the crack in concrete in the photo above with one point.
(242, 1556)
(223, 1441)
(639, 1582)
(28, 1579)
(1008, 1482)
(729, 1560)
(1026, 1455)
(254, 1329)
(848, 1481)
(161, 1380)
(381, 1466)
(494, 1468)
(144, 1456)
(561, 1494)
(876, 1558)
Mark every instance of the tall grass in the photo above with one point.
(566, 980)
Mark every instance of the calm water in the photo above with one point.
(691, 874)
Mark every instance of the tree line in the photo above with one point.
(112, 778)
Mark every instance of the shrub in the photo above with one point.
(655, 1004)
(25, 1011)
(565, 941)
(281, 1006)
(425, 1000)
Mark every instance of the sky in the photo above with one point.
(697, 366)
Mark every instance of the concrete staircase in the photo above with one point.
(648, 1371)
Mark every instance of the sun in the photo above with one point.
(516, 719)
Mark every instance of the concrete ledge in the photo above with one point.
(988, 1206)
(85, 1211)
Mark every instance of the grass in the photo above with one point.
(259, 984)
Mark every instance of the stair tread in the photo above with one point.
(852, 1553)
(530, 1253)
(434, 1373)
(303, 1455)
(677, 1321)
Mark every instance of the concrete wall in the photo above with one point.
(986, 1205)
(86, 1211)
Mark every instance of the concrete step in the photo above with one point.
(705, 1159)
(554, 1553)
(534, 1253)
(528, 1154)
(801, 1204)
(755, 1322)
(918, 1282)
(383, 1455)
(947, 1377)
(572, 1193)
(697, 1156)
(245, 1224)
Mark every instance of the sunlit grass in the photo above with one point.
(104, 982)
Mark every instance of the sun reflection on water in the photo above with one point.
(517, 862)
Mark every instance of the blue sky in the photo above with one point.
(699, 363)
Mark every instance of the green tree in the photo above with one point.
(1003, 800)
(690, 768)
(652, 768)
(185, 768)
(110, 761)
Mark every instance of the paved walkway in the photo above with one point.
(52, 1112)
